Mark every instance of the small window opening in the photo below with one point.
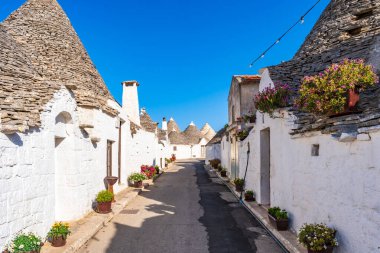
(364, 14)
(354, 31)
(175, 148)
(315, 150)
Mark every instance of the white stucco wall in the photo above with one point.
(213, 152)
(189, 151)
(340, 187)
(32, 197)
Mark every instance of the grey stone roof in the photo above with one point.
(172, 125)
(161, 135)
(218, 137)
(332, 39)
(21, 88)
(178, 138)
(42, 37)
(147, 122)
(192, 134)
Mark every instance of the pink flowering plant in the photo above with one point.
(149, 171)
(326, 92)
(272, 98)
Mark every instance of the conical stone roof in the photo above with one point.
(172, 126)
(177, 138)
(22, 90)
(45, 33)
(192, 134)
(207, 131)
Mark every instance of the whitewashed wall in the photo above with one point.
(189, 151)
(31, 197)
(340, 187)
(213, 152)
(225, 150)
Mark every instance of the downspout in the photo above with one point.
(245, 173)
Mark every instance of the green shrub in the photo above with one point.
(24, 243)
(137, 177)
(59, 229)
(239, 181)
(277, 213)
(249, 192)
(317, 237)
(104, 196)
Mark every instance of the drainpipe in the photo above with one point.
(245, 173)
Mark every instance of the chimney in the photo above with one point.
(131, 100)
(164, 124)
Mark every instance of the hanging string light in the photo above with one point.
(299, 21)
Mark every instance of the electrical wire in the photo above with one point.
(301, 21)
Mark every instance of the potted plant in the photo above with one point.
(220, 168)
(104, 200)
(242, 135)
(250, 118)
(249, 196)
(149, 171)
(137, 179)
(272, 98)
(173, 158)
(223, 172)
(278, 218)
(157, 168)
(239, 183)
(317, 238)
(58, 234)
(215, 163)
(335, 91)
(23, 242)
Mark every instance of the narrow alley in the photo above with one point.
(185, 211)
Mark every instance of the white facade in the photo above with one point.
(314, 176)
(189, 151)
(213, 152)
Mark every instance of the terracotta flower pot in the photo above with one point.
(249, 197)
(138, 184)
(280, 225)
(239, 188)
(352, 99)
(58, 241)
(328, 250)
(104, 207)
(223, 173)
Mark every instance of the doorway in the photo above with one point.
(265, 166)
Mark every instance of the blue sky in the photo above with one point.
(184, 53)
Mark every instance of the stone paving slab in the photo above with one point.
(85, 228)
(287, 238)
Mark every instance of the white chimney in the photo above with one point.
(164, 124)
(131, 100)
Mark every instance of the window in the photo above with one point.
(315, 150)
(175, 148)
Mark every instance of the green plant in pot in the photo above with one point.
(23, 242)
(220, 167)
(137, 179)
(249, 195)
(104, 200)
(278, 218)
(317, 238)
(239, 184)
(223, 172)
(157, 168)
(58, 234)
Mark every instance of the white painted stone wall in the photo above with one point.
(225, 151)
(340, 187)
(31, 196)
(213, 152)
(189, 151)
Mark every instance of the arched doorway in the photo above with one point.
(64, 156)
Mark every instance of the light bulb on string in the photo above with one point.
(263, 55)
(277, 41)
(302, 20)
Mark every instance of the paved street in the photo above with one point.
(185, 211)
